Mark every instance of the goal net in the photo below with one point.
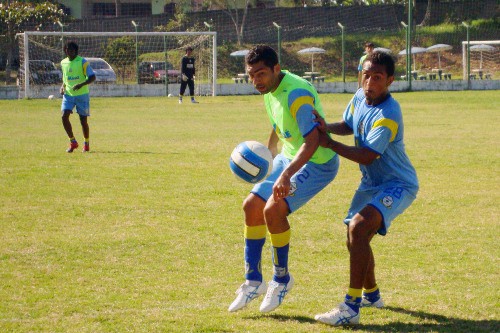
(484, 59)
(125, 63)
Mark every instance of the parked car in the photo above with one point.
(154, 72)
(104, 73)
(43, 72)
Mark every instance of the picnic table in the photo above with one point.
(313, 76)
(240, 78)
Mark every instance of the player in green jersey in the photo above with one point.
(77, 75)
(300, 171)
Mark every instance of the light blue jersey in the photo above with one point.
(380, 128)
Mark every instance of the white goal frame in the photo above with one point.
(464, 52)
(27, 34)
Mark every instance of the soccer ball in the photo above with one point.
(251, 162)
(51, 97)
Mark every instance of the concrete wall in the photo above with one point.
(148, 90)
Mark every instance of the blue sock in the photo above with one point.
(372, 295)
(353, 301)
(280, 260)
(253, 256)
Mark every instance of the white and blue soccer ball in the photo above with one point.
(251, 162)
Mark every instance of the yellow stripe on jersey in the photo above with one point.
(85, 65)
(298, 102)
(390, 124)
(351, 108)
(281, 239)
(257, 232)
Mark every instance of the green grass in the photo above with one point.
(144, 234)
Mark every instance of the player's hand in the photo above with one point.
(194, 77)
(61, 90)
(321, 121)
(184, 77)
(281, 188)
(324, 139)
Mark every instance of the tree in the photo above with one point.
(17, 16)
(121, 53)
(428, 13)
(230, 8)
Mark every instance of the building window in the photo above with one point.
(136, 9)
(104, 9)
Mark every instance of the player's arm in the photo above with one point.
(338, 128)
(272, 143)
(89, 80)
(282, 186)
(62, 89)
(361, 155)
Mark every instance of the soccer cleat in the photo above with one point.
(72, 146)
(340, 316)
(275, 295)
(86, 148)
(180, 101)
(366, 303)
(246, 294)
(194, 101)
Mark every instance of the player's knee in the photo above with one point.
(252, 204)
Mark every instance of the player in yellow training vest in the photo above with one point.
(77, 75)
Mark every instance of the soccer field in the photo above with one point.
(144, 234)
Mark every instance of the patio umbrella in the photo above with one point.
(414, 50)
(482, 48)
(312, 51)
(240, 53)
(439, 48)
(382, 49)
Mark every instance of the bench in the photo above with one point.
(432, 76)
(319, 79)
(487, 76)
(238, 79)
(472, 76)
(307, 77)
(447, 76)
(422, 77)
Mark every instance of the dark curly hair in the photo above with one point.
(262, 53)
(384, 59)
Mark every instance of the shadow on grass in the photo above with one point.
(432, 323)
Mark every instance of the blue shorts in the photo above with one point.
(305, 183)
(390, 200)
(82, 104)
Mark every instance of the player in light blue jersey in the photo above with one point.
(389, 182)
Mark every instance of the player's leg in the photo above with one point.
(67, 106)
(83, 109)
(361, 229)
(191, 90)
(306, 183)
(182, 91)
(378, 210)
(255, 237)
(86, 133)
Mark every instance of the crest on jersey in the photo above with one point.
(387, 201)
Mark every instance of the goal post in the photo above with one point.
(484, 59)
(126, 63)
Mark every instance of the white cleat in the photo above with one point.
(246, 294)
(365, 303)
(340, 316)
(275, 295)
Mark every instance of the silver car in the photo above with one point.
(104, 73)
